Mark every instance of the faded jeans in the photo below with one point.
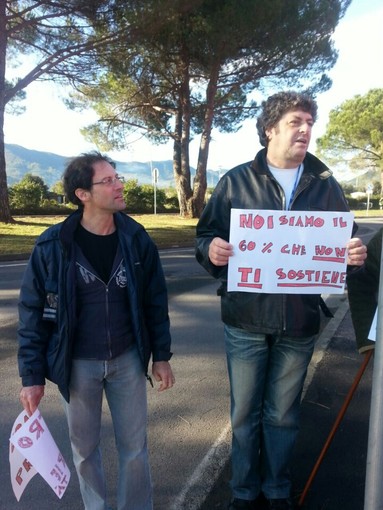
(124, 383)
(266, 376)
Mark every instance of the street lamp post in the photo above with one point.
(155, 180)
(369, 190)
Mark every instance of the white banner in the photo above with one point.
(289, 252)
(39, 452)
(22, 470)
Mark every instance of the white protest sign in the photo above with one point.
(34, 441)
(289, 252)
(22, 470)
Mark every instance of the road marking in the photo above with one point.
(206, 474)
(14, 265)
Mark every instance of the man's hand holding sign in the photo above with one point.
(221, 251)
(33, 450)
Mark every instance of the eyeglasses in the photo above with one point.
(110, 181)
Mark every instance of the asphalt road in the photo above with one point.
(183, 422)
(189, 433)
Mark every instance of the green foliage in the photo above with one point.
(31, 196)
(171, 69)
(140, 198)
(193, 66)
(360, 204)
(171, 201)
(355, 132)
(29, 192)
(147, 80)
(58, 37)
(58, 188)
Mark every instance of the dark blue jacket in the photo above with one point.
(47, 304)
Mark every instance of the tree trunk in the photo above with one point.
(5, 211)
(181, 160)
(177, 167)
(200, 181)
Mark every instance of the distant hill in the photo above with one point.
(50, 167)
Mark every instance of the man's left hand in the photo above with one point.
(163, 374)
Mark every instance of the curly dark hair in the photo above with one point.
(277, 105)
(79, 174)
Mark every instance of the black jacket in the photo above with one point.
(363, 293)
(252, 186)
(47, 304)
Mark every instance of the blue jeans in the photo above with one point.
(266, 380)
(124, 383)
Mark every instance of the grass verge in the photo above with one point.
(167, 231)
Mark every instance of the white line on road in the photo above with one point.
(205, 475)
(15, 264)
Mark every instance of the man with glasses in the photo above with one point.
(93, 310)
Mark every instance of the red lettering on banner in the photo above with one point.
(247, 221)
(246, 273)
(340, 252)
(314, 278)
(36, 428)
(19, 479)
(244, 245)
(299, 221)
(56, 473)
(257, 222)
(27, 465)
(63, 485)
(61, 460)
(326, 253)
(341, 223)
(296, 249)
(25, 442)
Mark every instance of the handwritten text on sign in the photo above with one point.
(35, 443)
(21, 469)
(290, 252)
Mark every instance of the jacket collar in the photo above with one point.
(123, 223)
(312, 165)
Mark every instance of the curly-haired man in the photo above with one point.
(269, 338)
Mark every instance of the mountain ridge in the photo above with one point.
(50, 166)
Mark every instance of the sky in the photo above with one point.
(48, 126)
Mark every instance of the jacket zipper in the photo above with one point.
(107, 319)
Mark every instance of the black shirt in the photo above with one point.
(100, 251)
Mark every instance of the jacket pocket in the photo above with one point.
(51, 301)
